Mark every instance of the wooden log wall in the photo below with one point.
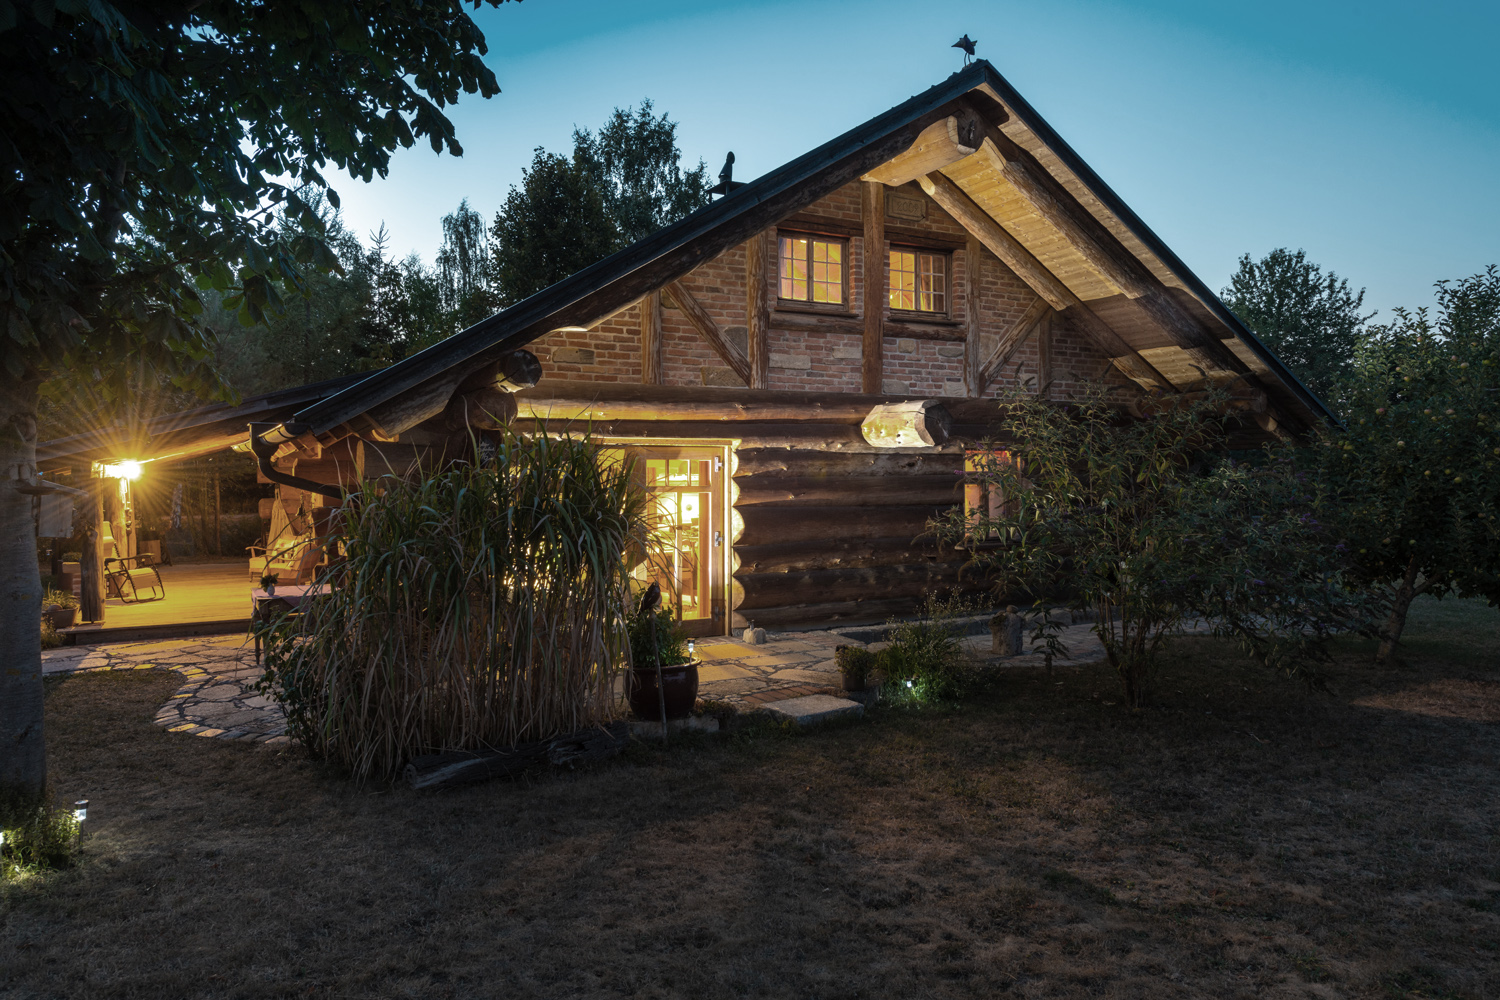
(833, 537)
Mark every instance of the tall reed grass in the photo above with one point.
(477, 607)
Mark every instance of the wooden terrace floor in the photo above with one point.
(198, 593)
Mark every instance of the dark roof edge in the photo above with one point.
(522, 316)
(1055, 142)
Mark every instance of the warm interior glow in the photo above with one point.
(128, 469)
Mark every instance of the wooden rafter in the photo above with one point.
(728, 351)
(953, 200)
(1108, 258)
(1012, 338)
(973, 290)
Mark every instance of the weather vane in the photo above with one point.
(967, 44)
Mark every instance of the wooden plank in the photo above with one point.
(938, 145)
(872, 207)
(758, 340)
(728, 350)
(926, 239)
(629, 401)
(651, 339)
(973, 293)
(825, 323)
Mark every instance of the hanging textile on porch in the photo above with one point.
(54, 516)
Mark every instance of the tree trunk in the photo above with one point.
(23, 760)
(1400, 605)
(218, 533)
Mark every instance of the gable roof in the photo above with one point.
(618, 280)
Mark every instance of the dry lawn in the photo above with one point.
(1241, 838)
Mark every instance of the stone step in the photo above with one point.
(814, 708)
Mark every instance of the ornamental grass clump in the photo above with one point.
(479, 608)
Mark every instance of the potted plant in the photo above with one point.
(60, 608)
(679, 671)
(268, 584)
(856, 667)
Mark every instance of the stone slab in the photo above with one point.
(814, 708)
(722, 672)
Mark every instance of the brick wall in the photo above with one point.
(829, 359)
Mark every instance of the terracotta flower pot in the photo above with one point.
(679, 684)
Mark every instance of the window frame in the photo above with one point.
(946, 313)
(846, 265)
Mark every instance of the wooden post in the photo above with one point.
(1044, 356)
(757, 318)
(91, 564)
(973, 363)
(876, 298)
(218, 534)
(651, 339)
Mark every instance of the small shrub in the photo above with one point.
(59, 598)
(855, 664)
(671, 638)
(38, 837)
(924, 661)
(50, 638)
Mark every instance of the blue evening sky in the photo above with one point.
(1367, 133)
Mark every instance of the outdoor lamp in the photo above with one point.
(128, 469)
(81, 810)
(690, 649)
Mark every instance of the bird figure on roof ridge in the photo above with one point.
(967, 44)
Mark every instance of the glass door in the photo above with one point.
(688, 504)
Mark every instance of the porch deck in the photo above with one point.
(204, 597)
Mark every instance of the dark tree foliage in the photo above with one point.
(1312, 320)
(146, 151)
(463, 265)
(1418, 469)
(553, 224)
(635, 154)
(622, 184)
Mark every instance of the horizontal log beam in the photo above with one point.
(823, 615)
(727, 350)
(847, 553)
(766, 524)
(769, 590)
(768, 463)
(939, 145)
(822, 323)
(859, 491)
(827, 438)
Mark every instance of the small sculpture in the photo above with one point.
(967, 44)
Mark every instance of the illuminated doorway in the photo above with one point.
(688, 511)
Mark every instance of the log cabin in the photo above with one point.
(800, 366)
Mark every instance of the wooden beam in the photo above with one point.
(1047, 285)
(940, 144)
(1014, 336)
(872, 208)
(729, 352)
(757, 315)
(1109, 258)
(916, 330)
(973, 290)
(651, 339)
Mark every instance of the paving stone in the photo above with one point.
(709, 672)
(808, 676)
(814, 708)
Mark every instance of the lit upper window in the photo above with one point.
(919, 281)
(812, 270)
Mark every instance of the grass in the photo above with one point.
(1238, 838)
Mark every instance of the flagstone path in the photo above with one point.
(218, 700)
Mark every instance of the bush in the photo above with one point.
(855, 664)
(59, 598)
(925, 661)
(671, 638)
(480, 608)
(38, 837)
(50, 638)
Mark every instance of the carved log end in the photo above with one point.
(923, 423)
